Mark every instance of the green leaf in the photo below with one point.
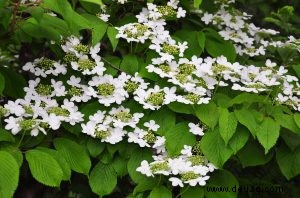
(134, 162)
(44, 168)
(103, 179)
(291, 139)
(225, 180)
(247, 118)
(130, 64)
(9, 174)
(190, 191)
(74, 154)
(95, 146)
(98, 2)
(178, 136)
(193, 44)
(287, 121)
(208, 114)
(98, 27)
(288, 161)
(141, 187)
(239, 139)
(214, 148)
(160, 191)
(120, 166)
(197, 3)
(247, 98)
(6, 136)
(201, 40)
(227, 124)
(14, 83)
(268, 133)
(2, 84)
(112, 33)
(165, 118)
(297, 119)
(252, 154)
(61, 161)
(215, 45)
(181, 108)
(14, 151)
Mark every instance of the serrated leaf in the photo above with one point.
(61, 161)
(214, 148)
(244, 98)
(239, 139)
(103, 179)
(74, 154)
(267, 133)
(288, 161)
(15, 152)
(222, 179)
(160, 191)
(130, 64)
(178, 136)
(112, 33)
(44, 168)
(227, 124)
(208, 114)
(247, 118)
(120, 166)
(287, 121)
(9, 174)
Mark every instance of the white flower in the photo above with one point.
(145, 169)
(176, 182)
(196, 129)
(151, 125)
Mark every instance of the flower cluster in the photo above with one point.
(53, 97)
(190, 167)
(233, 25)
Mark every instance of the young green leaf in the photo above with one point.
(74, 154)
(6, 136)
(103, 179)
(247, 118)
(9, 174)
(44, 168)
(267, 133)
(227, 124)
(197, 3)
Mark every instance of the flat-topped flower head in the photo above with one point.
(44, 67)
(136, 32)
(107, 89)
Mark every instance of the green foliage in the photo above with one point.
(9, 174)
(44, 167)
(75, 155)
(103, 179)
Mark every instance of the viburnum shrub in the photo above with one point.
(146, 98)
